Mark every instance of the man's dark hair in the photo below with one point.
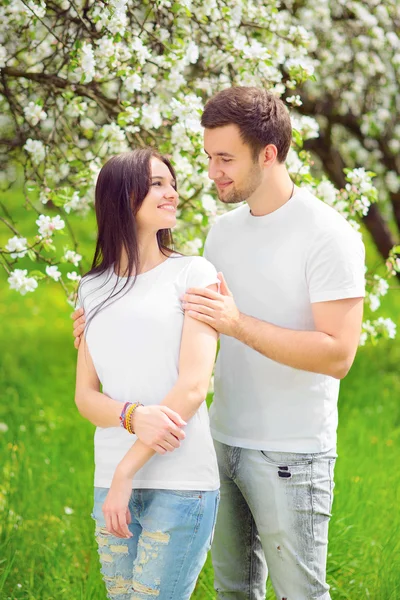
(262, 118)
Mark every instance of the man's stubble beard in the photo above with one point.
(237, 195)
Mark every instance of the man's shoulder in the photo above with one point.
(322, 218)
(231, 218)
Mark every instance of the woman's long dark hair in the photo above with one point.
(122, 185)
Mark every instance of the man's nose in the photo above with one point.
(214, 171)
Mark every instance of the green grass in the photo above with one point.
(47, 461)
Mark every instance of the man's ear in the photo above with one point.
(269, 155)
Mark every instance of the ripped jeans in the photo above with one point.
(273, 520)
(172, 533)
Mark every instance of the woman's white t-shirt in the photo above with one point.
(134, 342)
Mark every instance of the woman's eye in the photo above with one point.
(156, 183)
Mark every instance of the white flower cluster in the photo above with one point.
(378, 288)
(139, 74)
(47, 225)
(53, 272)
(34, 113)
(20, 281)
(381, 328)
(88, 62)
(17, 247)
(36, 149)
(72, 257)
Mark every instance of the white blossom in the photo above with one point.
(72, 257)
(36, 149)
(193, 246)
(47, 225)
(17, 246)
(73, 276)
(387, 326)
(209, 203)
(53, 272)
(88, 62)
(38, 9)
(327, 192)
(34, 113)
(192, 52)
(151, 116)
(20, 281)
(133, 83)
(374, 302)
(3, 56)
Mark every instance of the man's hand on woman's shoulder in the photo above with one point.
(78, 317)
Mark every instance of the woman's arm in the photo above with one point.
(196, 361)
(103, 411)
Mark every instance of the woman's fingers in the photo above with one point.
(122, 524)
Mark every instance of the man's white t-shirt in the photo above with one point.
(134, 343)
(277, 266)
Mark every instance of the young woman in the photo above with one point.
(154, 512)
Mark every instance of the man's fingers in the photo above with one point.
(204, 318)
(78, 331)
(177, 419)
(205, 292)
(77, 313)
(223, 286)
(204, 310)
(199, 300)
(79, 322)
(77, 341)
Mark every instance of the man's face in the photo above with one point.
(231, 164)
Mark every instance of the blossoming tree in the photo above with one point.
(82, 80)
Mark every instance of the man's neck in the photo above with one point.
(273, 193)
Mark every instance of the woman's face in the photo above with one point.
(158, 210)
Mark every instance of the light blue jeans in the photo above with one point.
(172, 533)
(273, 520)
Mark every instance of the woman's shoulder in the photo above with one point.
(92, 282)
(195, 263)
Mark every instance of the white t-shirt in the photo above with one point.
(134, 343)
(277, 266)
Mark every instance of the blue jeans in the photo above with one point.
(273, 520)
(172, 533)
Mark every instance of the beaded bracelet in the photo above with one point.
(128, 415)
(123, 412)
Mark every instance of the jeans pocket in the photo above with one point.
(217, 499)
(286, 459)
(190, 494)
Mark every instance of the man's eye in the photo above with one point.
(226, 160)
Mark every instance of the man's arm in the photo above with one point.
(329, 350)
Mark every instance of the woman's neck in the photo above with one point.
(150, 255)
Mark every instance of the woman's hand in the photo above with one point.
(115, 508)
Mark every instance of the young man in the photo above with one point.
(290, 323)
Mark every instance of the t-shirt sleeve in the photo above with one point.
(201, 273)
(209, 245)
(335, 267)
